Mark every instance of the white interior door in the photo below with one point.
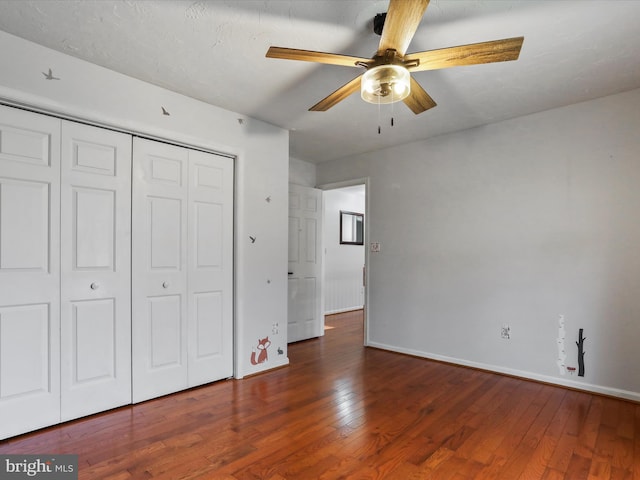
(305, 318)
(159, 275)
(95, 263)
(29, 271)
(210, 268)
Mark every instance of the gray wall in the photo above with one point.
(514, 223)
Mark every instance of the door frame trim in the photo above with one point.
(367, 232)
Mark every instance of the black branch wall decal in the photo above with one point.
(581, 352)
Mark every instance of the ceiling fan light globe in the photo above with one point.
(385, 84)
(400, 89)
(368, 86)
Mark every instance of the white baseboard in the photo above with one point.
(588, 387)
(264, 367)
(343, 310)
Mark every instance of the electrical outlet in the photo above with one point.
(505, 332)
(275, 329)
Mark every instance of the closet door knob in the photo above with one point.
(94, 286)
(165, 284)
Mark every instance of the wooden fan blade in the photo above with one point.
(474, 54)
(337, 96)
(400, 25)
(318, 57)
(418, 100)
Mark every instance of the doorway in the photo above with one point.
(344, 252)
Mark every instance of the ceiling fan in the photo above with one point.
(387, 77)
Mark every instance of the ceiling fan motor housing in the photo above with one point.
(378, 23)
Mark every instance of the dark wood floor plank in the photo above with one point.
(549, 445)
(340, 410)
(588, 433)
(578, 467)
(636, 442)
(513, 437)
(552, 474)
(496, 420)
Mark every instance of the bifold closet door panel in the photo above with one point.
(29, 271)
(210, 268)
(159, 304)
(96, 270)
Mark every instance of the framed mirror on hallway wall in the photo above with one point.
(351, 228)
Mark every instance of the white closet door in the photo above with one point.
(159, 304)
(210, 268)
(29, 271)
(95, 263)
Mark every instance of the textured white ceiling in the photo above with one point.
(215, 51)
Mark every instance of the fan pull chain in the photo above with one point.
(392, 108)
(379, 128)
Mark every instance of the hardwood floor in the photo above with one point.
(344, 411)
